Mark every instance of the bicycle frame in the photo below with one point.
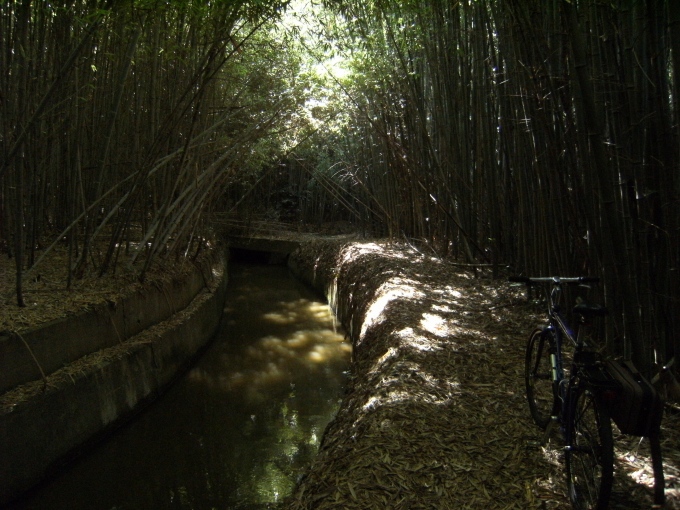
(558, 326)
(578, 403)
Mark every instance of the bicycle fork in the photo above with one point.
(559, 389)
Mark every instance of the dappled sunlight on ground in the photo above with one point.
(389, 291)
(435, 324)
(383, 249)
(436, 414)
(390, 354)
(415, 411)
(634, 463)
(410, 339)
(633, 478)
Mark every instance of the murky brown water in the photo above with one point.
(240, 427)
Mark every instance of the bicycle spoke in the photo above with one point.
(589, 456)
(538, 378)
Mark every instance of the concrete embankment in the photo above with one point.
(100, 366)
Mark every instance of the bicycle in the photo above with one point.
(574, 401)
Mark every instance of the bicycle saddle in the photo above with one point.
(588, 310)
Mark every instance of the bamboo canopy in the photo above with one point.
(540, 137)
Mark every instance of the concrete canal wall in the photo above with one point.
(62, 341)
(103, 365)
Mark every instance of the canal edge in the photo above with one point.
(84, 400)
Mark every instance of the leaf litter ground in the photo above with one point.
(435, 415)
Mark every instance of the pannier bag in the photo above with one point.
(636, 407)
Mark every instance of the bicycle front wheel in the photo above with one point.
(540, 388)
(589, 454)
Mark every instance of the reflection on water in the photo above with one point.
(240, 427)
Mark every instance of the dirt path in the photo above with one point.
(435, 416)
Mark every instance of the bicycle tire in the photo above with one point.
(589, 455)
(540, 388)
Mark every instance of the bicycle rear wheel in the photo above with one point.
(589, 454)
(538, 377)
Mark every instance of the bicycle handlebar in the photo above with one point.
(535, 280)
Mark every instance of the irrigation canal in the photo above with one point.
(239, 428)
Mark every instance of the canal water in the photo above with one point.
(240, 427)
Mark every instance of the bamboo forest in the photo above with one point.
(534, 137)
